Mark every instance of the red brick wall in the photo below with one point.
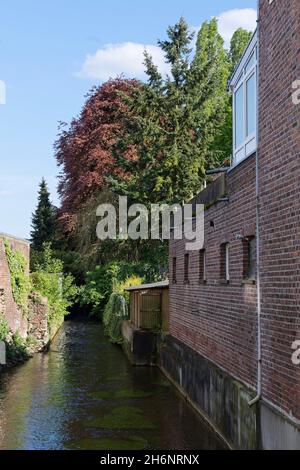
(216, 319)
(279, 156)
(8, 307)
(219, 320)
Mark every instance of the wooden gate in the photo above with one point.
(150, 311)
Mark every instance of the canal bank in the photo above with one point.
(84, 394)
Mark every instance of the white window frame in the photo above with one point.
(240, 79)
(227, 261)
(204, 266)
(203, 251)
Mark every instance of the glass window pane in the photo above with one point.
(250, 63)
(251, 118)
(239, 117)
(227, 262)
(252, 258)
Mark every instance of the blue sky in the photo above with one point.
(52, 52)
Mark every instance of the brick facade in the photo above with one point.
(279, 157)
(8, 307)
(218, 318)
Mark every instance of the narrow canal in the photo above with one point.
(83, 394)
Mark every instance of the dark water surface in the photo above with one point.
(84, 394)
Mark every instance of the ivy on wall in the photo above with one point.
(4, 329)
(20, 282)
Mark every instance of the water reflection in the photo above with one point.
(84, 394)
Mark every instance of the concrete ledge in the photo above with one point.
(139, 345)
(277, 432)
(221, 399)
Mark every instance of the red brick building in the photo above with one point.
(234, 305)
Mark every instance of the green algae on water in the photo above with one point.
(126, 393)
(102, 394)
(130, 443)
(132, 394)
(124, 417)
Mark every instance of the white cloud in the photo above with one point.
(116, 59)
(2, 92)
(4, 193)
(229, 21)
(127, 58)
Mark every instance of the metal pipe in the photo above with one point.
(258, 283)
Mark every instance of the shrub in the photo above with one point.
(16, 348)
(116, 310)
(4, 329)
(98, 287)
(114, 314)
(49, 281)
(131, 281)
(109, 278)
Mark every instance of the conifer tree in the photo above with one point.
(177, 117)
(43, 219)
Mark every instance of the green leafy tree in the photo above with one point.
(222, 144)
(49, 280)
(177, 117)
(43, 220)
(238, 44)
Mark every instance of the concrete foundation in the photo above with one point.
(139, 345)
(223, 400)
(277, 431)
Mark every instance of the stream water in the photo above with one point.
(84, 394)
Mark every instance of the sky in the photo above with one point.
(52, 52)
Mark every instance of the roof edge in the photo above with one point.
(240, 64)
(13, 237)
(155, 285)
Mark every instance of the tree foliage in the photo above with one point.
(43, 220)
(238, 44)
(84, 150)
(151, 141)
(176, 118)
(222, 144)
(113, 277)
(49, 280)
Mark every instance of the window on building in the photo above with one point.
(186, 267)
(244, 88)
(174, 271)
(202, 266)
(249, 258)
(224, 262)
